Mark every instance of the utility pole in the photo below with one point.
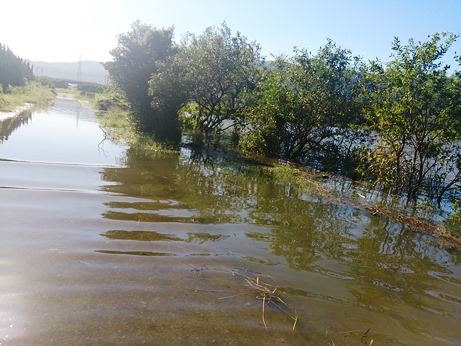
(79, 70)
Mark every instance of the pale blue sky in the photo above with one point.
(57, 30)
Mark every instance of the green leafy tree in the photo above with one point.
(138, 56)
(416, 113)
(169, 95)
(219, 71)
(304, 102)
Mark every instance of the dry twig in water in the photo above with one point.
(269, 295)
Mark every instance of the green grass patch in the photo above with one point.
(118, 123)
(33, 93)
(119, 126)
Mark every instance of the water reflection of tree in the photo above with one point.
(393, 272)
(385, 268)
(145, 175)
(220, 189)
(8, 126)
(221, 192)
(308, 231)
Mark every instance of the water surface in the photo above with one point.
(103, 244)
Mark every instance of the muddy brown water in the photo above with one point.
(107, 245)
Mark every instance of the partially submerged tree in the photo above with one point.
(304, 102)
(138, 56)
(219, 71)
(169, 95)
(416, 113)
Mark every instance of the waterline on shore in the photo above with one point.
(17, 111)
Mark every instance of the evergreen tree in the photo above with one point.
(14, 71)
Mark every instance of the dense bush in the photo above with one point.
(304, 102)
(304, 108)
(416, 113)
(139, 54)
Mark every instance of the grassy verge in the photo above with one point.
(118, 124)
(32, 93)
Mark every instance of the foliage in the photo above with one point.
(303, 102)
(90, 88)
(169, 95)
(219, 71)
(109, 99)
(454, 220)
(14, 71)
(137, 57)
(46, 82)
(416, 113)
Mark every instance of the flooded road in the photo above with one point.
(107, 245)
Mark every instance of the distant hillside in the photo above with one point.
(92, 71)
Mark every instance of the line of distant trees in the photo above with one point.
(14, 71)
(397, 124)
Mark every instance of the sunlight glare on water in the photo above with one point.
(65, 133)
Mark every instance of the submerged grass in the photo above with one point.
(315, 183)
(305, 179)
